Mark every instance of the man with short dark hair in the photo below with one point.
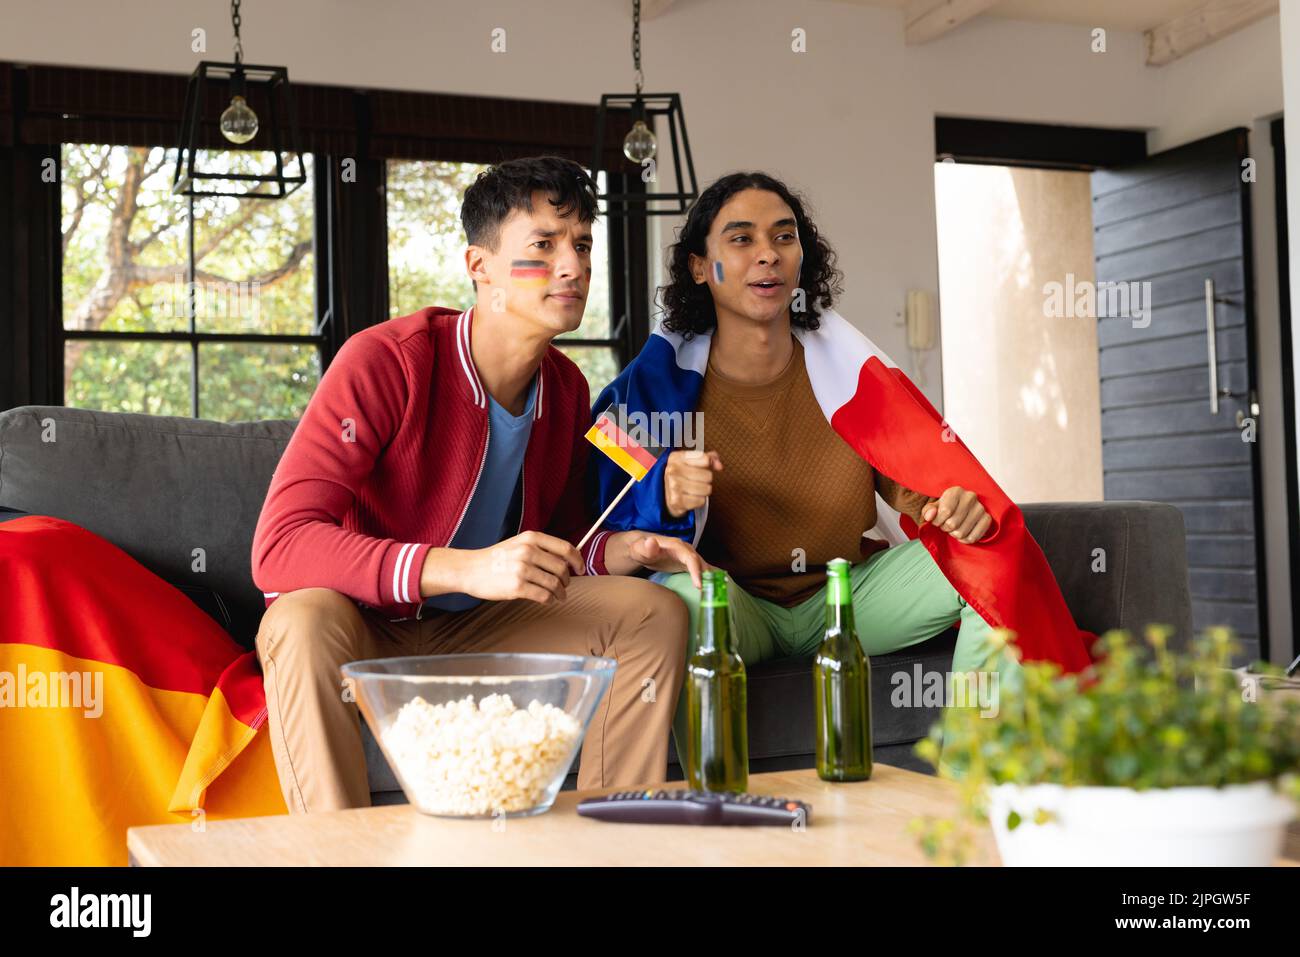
(430, 497)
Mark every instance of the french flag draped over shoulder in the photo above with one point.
(882, 415)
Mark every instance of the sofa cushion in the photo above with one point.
(157, 487)
(1119, 564)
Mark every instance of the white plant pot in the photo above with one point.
(1241, 825)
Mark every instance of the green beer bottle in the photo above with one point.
(842, 687)
(717, 738)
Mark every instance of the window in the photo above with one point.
(225, 309)
(243, 342)
(426, 264)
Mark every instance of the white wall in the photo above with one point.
(1229, 83)
(1290, 47)
(1272, 438)
(850, 121)
(1023, 389)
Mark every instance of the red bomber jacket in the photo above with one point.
(385, 460)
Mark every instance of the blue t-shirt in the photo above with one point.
(493, 513)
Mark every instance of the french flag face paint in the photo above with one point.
(717, 271)
(528, 272)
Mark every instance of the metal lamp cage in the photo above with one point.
(648, 106)
(280, 128)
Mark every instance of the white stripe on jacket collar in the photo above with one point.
(463, 322)
(464, 325)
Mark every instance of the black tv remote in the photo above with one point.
(695, 807)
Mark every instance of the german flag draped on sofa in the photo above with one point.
(121, 703)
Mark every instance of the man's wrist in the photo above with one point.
(675, 516)
(668, 509)
(443, 571)
(618, 553)
(618, 558)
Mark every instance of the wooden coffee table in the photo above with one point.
(862, 823)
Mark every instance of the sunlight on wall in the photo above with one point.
(1020, 387)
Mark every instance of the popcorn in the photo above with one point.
(459, 759)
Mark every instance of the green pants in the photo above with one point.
(900, 598)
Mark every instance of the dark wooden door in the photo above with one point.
(1177, 394)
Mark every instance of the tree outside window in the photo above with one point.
(129, 342)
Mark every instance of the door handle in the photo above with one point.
(1211, 346)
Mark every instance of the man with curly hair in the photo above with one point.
(793, 476)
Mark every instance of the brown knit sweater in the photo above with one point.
(791, 495)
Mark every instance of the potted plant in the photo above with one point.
(1149, 757)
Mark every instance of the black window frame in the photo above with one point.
(43, 107)
(627, 257)
(629, 270)
(60, 336)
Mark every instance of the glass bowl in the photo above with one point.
(480, 735)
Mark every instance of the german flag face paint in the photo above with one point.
(532, 273)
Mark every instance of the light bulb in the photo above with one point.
(640, 144)
(238, 122)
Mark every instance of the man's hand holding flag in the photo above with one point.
(637, 458)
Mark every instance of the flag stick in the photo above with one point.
(605, 514)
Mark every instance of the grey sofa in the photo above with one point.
(159, 487)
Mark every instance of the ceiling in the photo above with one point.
(1135, 15)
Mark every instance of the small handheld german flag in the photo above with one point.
(633, 457)
(626, 452)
